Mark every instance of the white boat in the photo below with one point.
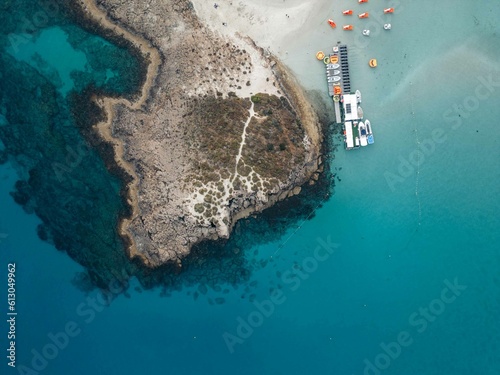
(335, 49)
(356, 141)
(360, 112)
(332, 66)
(362, 134)
(358, 96)
(387, 26)
(333, 79)
(336, 72)
(369, 134)
(366, 32)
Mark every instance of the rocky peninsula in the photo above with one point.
(220, 130)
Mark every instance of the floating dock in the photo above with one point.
(348, 112)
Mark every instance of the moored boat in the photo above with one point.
(320, 55)
(364, 15)
(362, 134)
(332, 24)
(362, 1)
(369, 133)
(333, 66)
(333, 79)
(366, 32)
(358, 96)
(348, 27)
(373, 63)
(347, 12)
(388, 10)
(387, 26)
(360, 112)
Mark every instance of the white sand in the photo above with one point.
(274, 25)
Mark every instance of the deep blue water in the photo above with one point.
(375, 265)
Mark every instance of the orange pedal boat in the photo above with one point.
(364, 15)
(389, 10)
(362, 1)
(347, 12)
(348, 27)
(332, 24)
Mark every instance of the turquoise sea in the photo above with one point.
(398, 272)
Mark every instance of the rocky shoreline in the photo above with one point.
(187, 186)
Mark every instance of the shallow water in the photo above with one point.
(389, 242)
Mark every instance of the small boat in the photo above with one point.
(334, 59)
(362, 134)
(387, 26)
(348, 27)
(366, 32)
(320, 55)
(388, 10)
(331, 73)
(332, 24)
(362, 1)
(364, 15)
(335, 49)
(332, 66)
(347, 12)
(333, 79)
(336, 98)
(326, 60)
(356, 141)
(360, 112)
(358, 96)
(373, 63)
(369, 134)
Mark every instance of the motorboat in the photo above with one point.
(369, 134)
(358, 96)
(364, 15)
(362, 134)
(348, 27)
(347, 12)
(332, 66)
(388, 10)
(366, 32)
(333, 79)
(387, 26)
(360, 112)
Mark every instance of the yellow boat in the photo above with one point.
(320, 55)
(373, 63)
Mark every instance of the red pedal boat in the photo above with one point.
(347, 12)
(389, 10)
